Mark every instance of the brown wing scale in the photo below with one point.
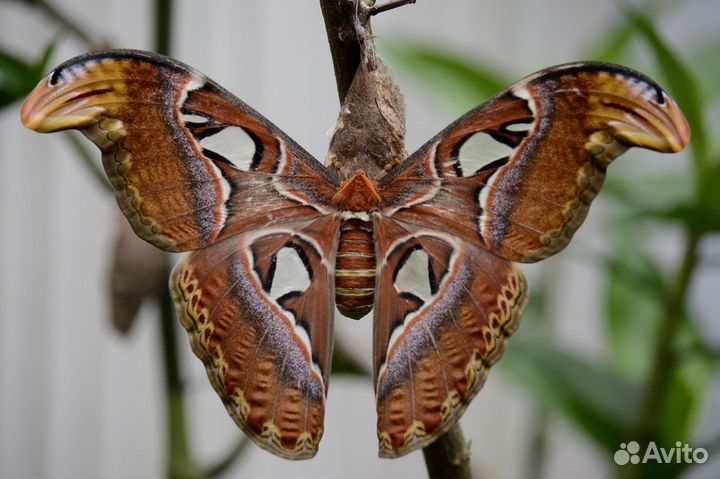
(190, 163)
(519, 173)
(434, 347)
(515, 178)
(267, 351)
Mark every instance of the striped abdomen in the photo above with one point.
(355, 269)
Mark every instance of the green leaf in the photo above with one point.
(681, 82)
(633, 292)
(599, 402)
(18, 77)
(611, 47)
(14, 76)
(462, 81)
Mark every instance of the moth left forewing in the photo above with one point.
(258, 309)
(189, 162)
(528, 163)
(444, 310)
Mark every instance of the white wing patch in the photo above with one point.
(479, 150)
(232, 143)
(291, 274)
(413, 276)
(519, 127)
(192, 118)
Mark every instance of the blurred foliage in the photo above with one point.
(656, 377)
(18, 76)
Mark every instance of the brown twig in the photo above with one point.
(375, 9)
(449, 455)
(73, 27)
(339, 16)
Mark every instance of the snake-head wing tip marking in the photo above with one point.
(73, 102)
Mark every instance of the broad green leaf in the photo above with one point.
(459, 80)
(633, 301)
(15, 74)
(599, 402)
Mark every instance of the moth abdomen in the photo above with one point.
(355, 268)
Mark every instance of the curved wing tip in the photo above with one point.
(30, 113)
(47, 112)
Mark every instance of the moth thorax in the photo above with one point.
(355, 268)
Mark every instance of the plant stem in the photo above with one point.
(56, 15)
(163, 26)
(179, 460)
(665, 361)
(449, 456)
(377, 9)
(343, 40)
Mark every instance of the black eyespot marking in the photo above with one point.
(306, 326)
(416, 301)
(266, 281)
(303, 257)
(285, 298)
(55, 76)
(204, 130)
(216, 157)
(494, 165)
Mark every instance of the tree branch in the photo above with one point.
(67, 23)
(449, 455)
(344, 42)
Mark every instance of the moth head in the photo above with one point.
(69, 97)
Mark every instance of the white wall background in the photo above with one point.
(77, 400)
